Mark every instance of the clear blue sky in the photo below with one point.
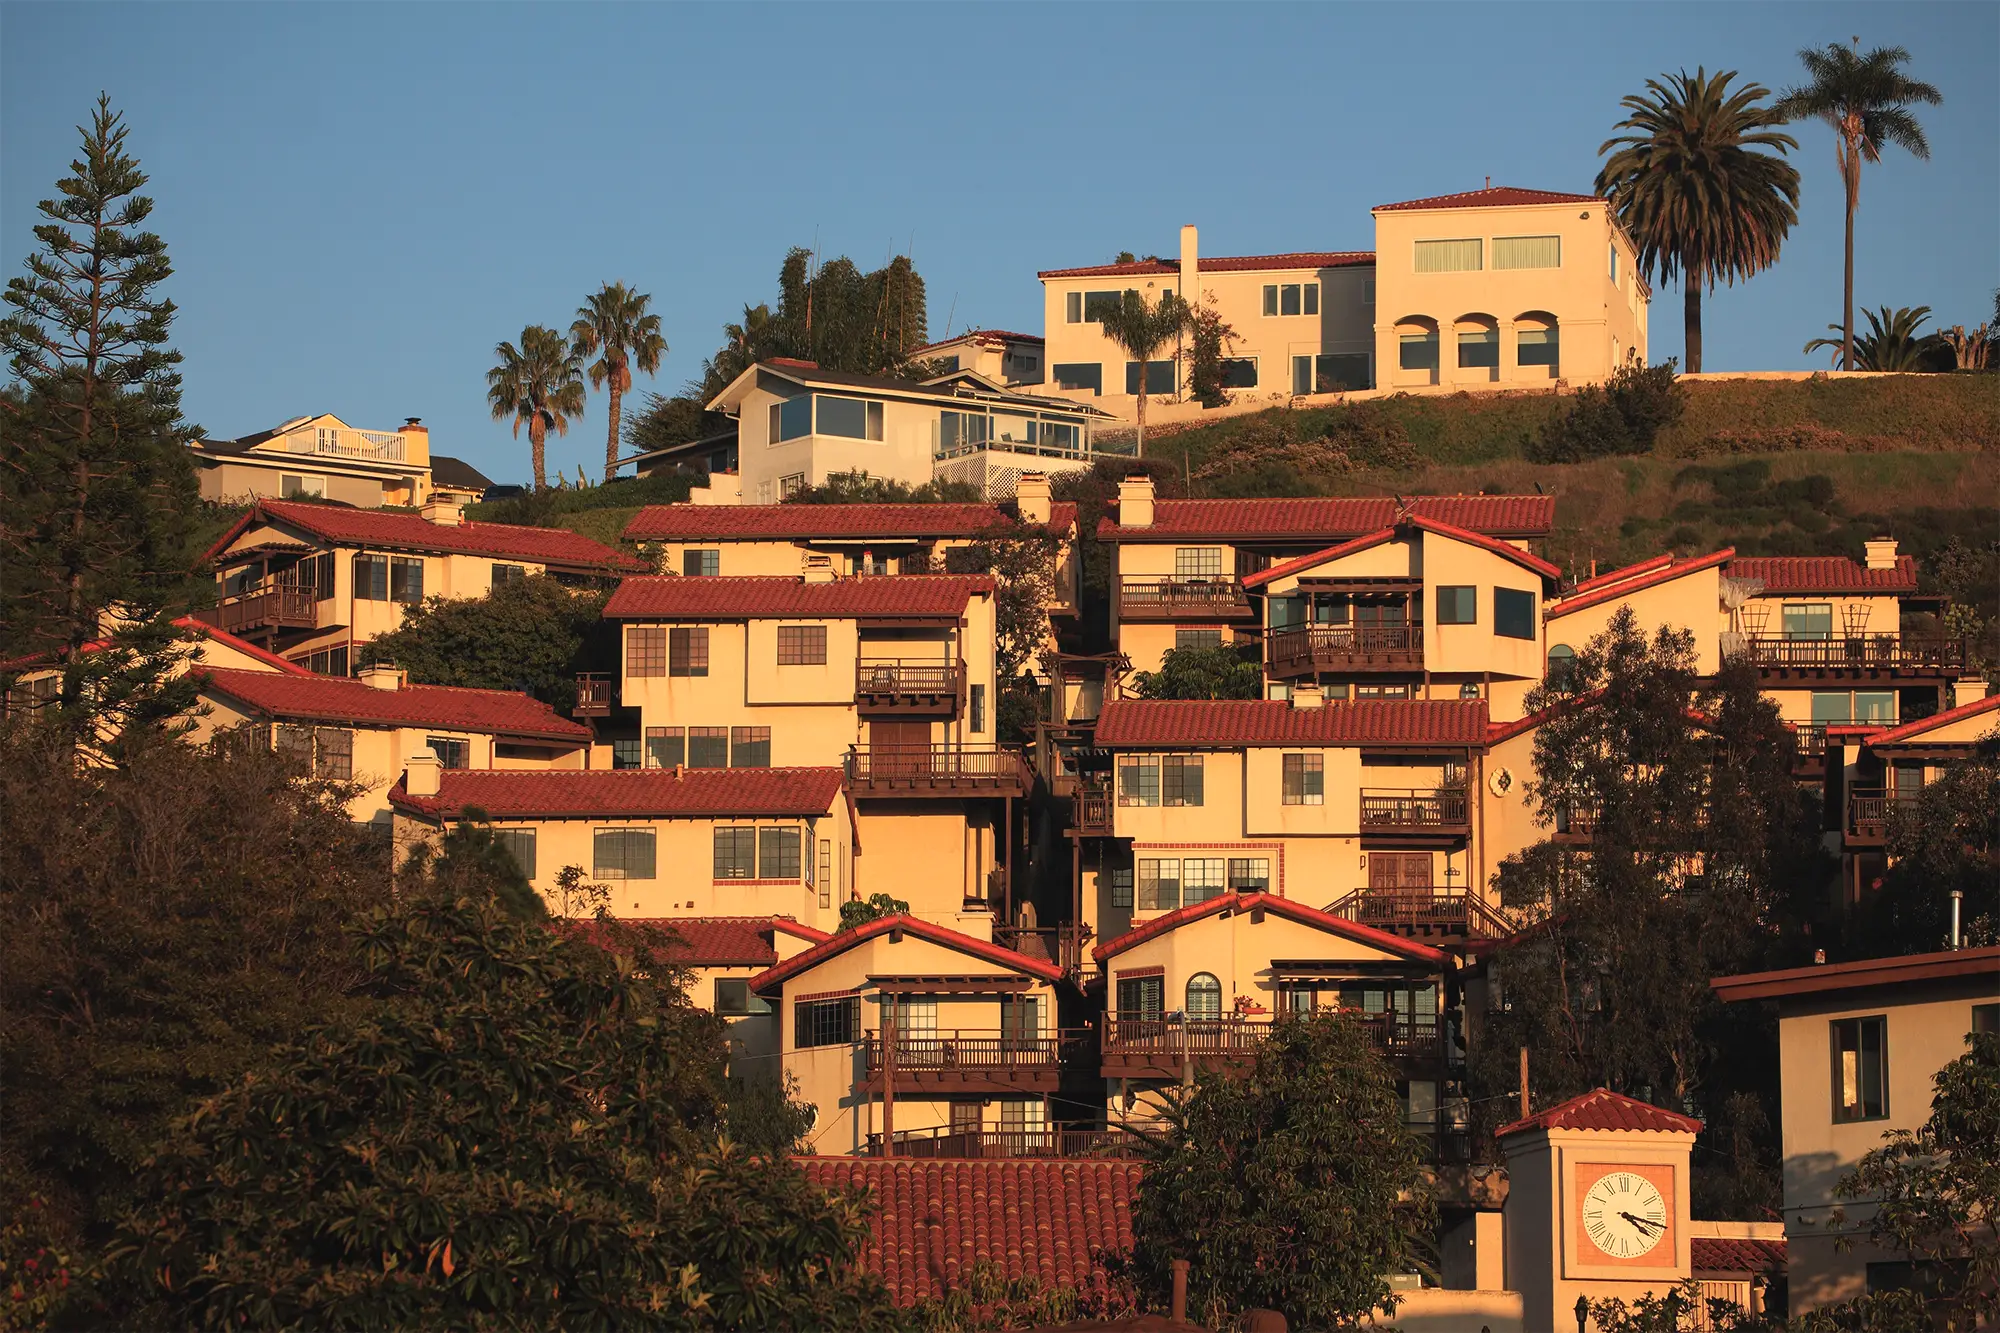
(362, 199)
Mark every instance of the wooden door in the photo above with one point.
(899, 749)
(1399, 870)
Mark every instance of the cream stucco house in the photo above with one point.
(323, 458)
(1011, 359)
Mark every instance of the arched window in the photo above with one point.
(1469, 690)
(1537, 343)
(1417, 338)
(1478, 343)
(1562, 659)
(1204, 996)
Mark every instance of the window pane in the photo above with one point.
(687, 652)
(1095, 304)
(1448, 256)
(1874, 707)
(1197, 638)
(1809, 620)
(1419, 351)
(795, 417)
(1312, 298)
(1250, 874)
(1288, 299)
(708, 747)
(1458, 605)
(1832, 706)
(406, 580)
(1527, 252)
(1537, 347)
(1142, 997)
(801, 645)
(706, 564)
(1203, 878)
(976, 709)
(1139, 781)
(1198, 562)
(1079, 375)
(1271, 300)
(750, 747)
(371, 578)
(1514, 613)
(1160, 376)
(1073, 307)
(843, 416)
(520, 844)
(1479, 348)
(666, 747)
(1159, 885)
(778, 853)
(1304, 779)
(1121, 886)
(1302, 374)
(1239, 372)
(1204, 997)
(1181, 780)
(735, 853)
(645, 650)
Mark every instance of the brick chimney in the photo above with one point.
(1031, 497)
(1135, 502)
(384, 676)
(1881, 552)
(444, 513)
(1307, 694)
(421, 773)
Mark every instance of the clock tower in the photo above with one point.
(1597, 1204)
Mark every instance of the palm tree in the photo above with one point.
(1693, 191)
(615, 327)
(1142, 332)
(1865, 98)
(540, 386)
(1891, 343)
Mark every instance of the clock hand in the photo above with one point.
(1645, 1223)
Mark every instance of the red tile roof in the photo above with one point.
(1493, 196)
(1303, 259)
(388, 530)
(655, 793)
(1054, 1221)
(1285, 907)
(1501, 731)
(804, 522)
(1298, 564)
(991, 337)
(341, 699)
(1231, 723)
(1602, 1108)
(1911, 730)
(844, 940)
(206, 630)
(1825, 573)
(715, 941)
(1646, 566)
(1602, 591)
(1335, 518)
(1736, 1254)
(914, 596)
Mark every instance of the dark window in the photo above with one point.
(826, 1022)
(1239, 372)
(1479, 349)
(791, 418)
(1249, 874)
(1341, 370)
(736, 853)
(1860, 1069)
(1180, 780)
(1197, 638)
(1072, 308)
(1159, 377)
(406, 580)
(701, 564)
(1305, 779)
(1418, 351)
(328, 752)
(1986, 1018)
(708, 747)
(315, 574)
(1458, 606)
(1121, 885)
(1142, 997)
(371, 578)
(977, 708)
(687, 652)
(508, 574)
(520, 844)
(1562, 660)
(1513, 613)
(749, 747)
(666, 747)
(1097, 304)
(627, 752)
(734, 998)
(619, 853)
(326, 662)
(778, 853)
(801, 645)
(1538, 347)
(645, 650)
(1159, 884)
(451, 753)
(1079, 375)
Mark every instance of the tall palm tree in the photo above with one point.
(1866, 99)
(615, 327)
(1142, 332)
(540, 386)
(1893, 341)
(1692, 188)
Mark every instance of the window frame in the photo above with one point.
(1862, 1025)
(773, 841)
(751, 1004)
(801, 645)
(375, 586)
(717, 737)
(447, 748)
(1197, 562)
(733, 853)
(671, 750)
(512, 839)
(318, 492)
(1463, 604)
(645, 651)
(627, 841)
(832, 1021)
(1506, 622)
(1419, 250)
(1303, 777)
(687, 650)
(749, 747)
(1555, 237)
(406, 579)
(701, 562)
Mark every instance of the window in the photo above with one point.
(1479, 348)
(791, 484)
(292, 485)
(1369, 691)
(371, 578)
(1204, 997)
(622, 853)
(976, 706)
(687, 651)
(1073, 308)
(627, 752)
(1160, 376)
(708, 747)
(1079, 375)
(326, 662)
(1537, 347)
(735, 999)
(450, 752)
(1860, 1069)
(1251, 874)
(1159, 885)
(778, 853)
(327, 751)
(1180, 780)
(1449, 256)
(1292, 298)
(1832, 706)
(508, 574)
(825, 880)
(1095, 304)
(801, 645)
(406, 580)
(666, 747)
(1808, 620)
(1614, 264)
(1469, 690)
(326, 439)
(735, 853)
(850, 418)
(1197, 638)
(1142, 997)
(1562, 660)
(1874, 706)
(1203, 878)
(701, 564)
(965, 430)
(1986, 1018)
(645, 650)
(1418, 351)
(1302, 374)
(1120, 878)
(749, 747)
(826, 1022)
(1198, 562)
(1527, 252)
(1239, 372)
(1305, 779)
(1160, 780)
(1513, 613)
(520, 844)
(1138, 780)
(791, 419)
(1458, 605)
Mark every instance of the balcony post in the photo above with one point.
(888, 1074)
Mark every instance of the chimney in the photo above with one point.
(421, 773)
(1135, 502)
(1881, 552)
(384, 676)
(819, 569)
(444, 513)
(1307, 694)
(1190, 266)
(1031, 497)
(415, 426)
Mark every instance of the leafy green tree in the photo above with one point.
(860, 911)
(766, 1115)
(1221, 672)
(1210, 339)
(1142, 332)
(1944, 840)
(1022, 561)
(534, 634)
(539, 385)
(97, 487)
(614, 325)
(1693, 187)
(1866, 99)
(669, 419)
(1292, 1187)
(1624, 415)
(1894, 341)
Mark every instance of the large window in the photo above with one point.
(1304, 779)
(1291, 298)
(850, 418)
(1458, 605)
(687, 651)
(1159, 884)
(963, 429)
(801, 645)
(1479, 349)
(735, 999)
(1142, 997)
(1239, 372)
(1202, 878)
(645, 650)
(451, 751)
(292, 485)
(1418, 351)
(1513, 613)
(826, 1022)
(1460, 256)
(735, 853)
(701, 564)
(749, 747)
(622, 853)
(778, 853)
(1098, 304)
(1527, 252)
(1185, 639)
(792, 418)
(1204, 997)
(503, 574)
(1808, 620)
(1337, 371)
(1860, 1069)
(406, 580)
(1172, 779)
(1249, 874)
(1197, 562)
(371, 578)
(328, 752)
(1079, 375)
(666, 747)
(708, 747)
(1160, 377)
(1120, 878)
(976, 709)
(520, 844)
(1537, 347)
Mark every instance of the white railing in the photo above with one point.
(383, 446)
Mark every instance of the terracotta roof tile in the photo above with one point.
(1825, 573)
(1911, 730)
(706, 941)
(675, 597)
(1735, 1254)
(1646, 576)
(1302, 259)
(1285, 907)
(414, 532)
(1055, 1221)
(1493, 196)
(842, 941)
(805, 522)
(1332, 519)
(341, 699)
(1645, 566)
(1230, 723)
(659, 793)
(1602, 1108)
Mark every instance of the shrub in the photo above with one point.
(1621, 416)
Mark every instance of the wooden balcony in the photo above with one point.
(596, 692)
(974, 1144)
(1859, 656)
(1434, 811)
(1093, 813)
(937, 771)
(265, 611)
(1809, 750)
(1424, 911)
(1869, 813)
(1307, 650)
(899, 687)
(1576, 825)
(1143, 598)
(941, 1064)
(1161, 1046)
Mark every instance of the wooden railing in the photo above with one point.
(898, 676)
(982, 1143)
(1094, 812)
(596, 691)
(973, 1051)
(1387, 808)
(938, 769)
(1809, 738)
(1300, 649)
(1869, 810)
(1175, 1037)
(1141, 598)
(1861, 652)
(1449, 911)
(284, 606)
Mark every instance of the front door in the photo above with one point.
(1399, 870)
(899, 749)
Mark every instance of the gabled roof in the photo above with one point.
(987, 337)
(1284, 907)
(1651, 574)
(1404, 523)
(843, 523)
(1298, 564)
(1602, 1108)
(41, 661)
(458, 474)
(1825, 573)
(1235, 723)
(1861, 974)
(755, 597)
(766, 982)
(313, 698)
(1493, 196)
(1736, 1254)
(1610, 577)
(1911, 731)
(1333, 519)
(387, 530)
(1057, 1222)
(636, 793)
(1303, 259)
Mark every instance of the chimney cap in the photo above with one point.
(417, 422)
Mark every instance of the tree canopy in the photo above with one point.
(615, 325)
(538, 385)
(1222, 671)
(534, 634)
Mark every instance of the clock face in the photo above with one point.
(1624, 1214)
